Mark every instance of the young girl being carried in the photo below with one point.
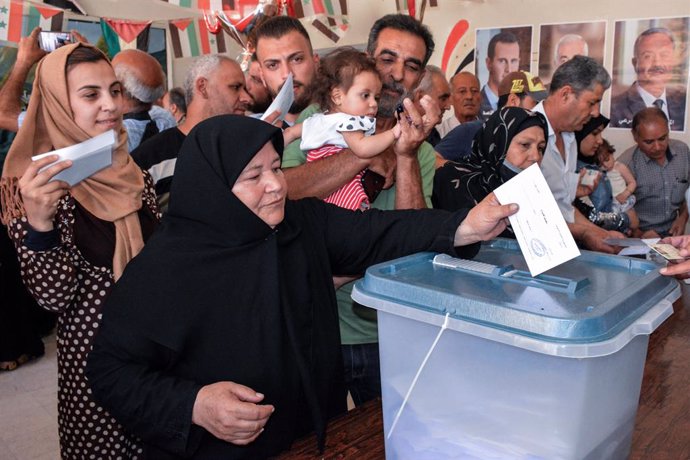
(347, 89)
(622, 182)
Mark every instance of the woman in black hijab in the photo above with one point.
(589, 138)
(597, 204)
(221, 339)
(511, 140)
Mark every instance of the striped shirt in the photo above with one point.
(351, 195)
(660, 189)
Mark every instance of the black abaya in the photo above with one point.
(218, 295)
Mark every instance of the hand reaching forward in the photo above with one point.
(485, 221)
(680, 270)
(230, 411)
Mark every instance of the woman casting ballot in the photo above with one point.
(221, 339)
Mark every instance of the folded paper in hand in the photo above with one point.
(87, 157)
(283, 101)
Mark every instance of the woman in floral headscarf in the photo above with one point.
(511, 140)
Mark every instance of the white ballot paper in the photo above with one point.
(539, 227)
(282, 101)
(87, 157)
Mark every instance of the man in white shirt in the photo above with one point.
(465, 98)
(574, 97)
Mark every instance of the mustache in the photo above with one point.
(658, 69)
(295, 83)
(394, 86)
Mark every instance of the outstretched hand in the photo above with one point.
(679, 270)
(485, 221)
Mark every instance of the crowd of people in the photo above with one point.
(202, 282)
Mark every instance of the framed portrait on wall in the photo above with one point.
(499, 51)
(558, 43)
(650, 68)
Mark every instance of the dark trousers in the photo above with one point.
(362, 372)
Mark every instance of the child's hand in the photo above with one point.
(621, 197)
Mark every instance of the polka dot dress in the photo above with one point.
(64, 282)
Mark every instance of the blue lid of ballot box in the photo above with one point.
(591, 298)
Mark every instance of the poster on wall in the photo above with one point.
(558, 43)
(500, 51)
(650, 68)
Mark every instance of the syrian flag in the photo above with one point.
(210, 43)
(121, 34)
(48, 19)
(11, 20)
(184, 38)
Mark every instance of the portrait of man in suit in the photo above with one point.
(657, 72)
(499, 52)
(558, 43)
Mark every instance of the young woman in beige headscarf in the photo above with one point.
(73, 243)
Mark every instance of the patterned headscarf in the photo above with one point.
(480, 173)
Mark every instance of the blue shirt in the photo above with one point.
(135, 128)
(458, 142)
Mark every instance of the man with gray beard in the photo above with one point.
(401, 47)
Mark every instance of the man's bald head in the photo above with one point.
(141, 75)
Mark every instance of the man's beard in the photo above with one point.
(388, 102)
(301, 102)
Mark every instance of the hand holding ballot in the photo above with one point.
(485, 221)
(51, 175)
(40, 194)
(680, 270)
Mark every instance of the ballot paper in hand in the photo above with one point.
(87, 157)
(632, 246)
(283, 101)
(541, 231)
